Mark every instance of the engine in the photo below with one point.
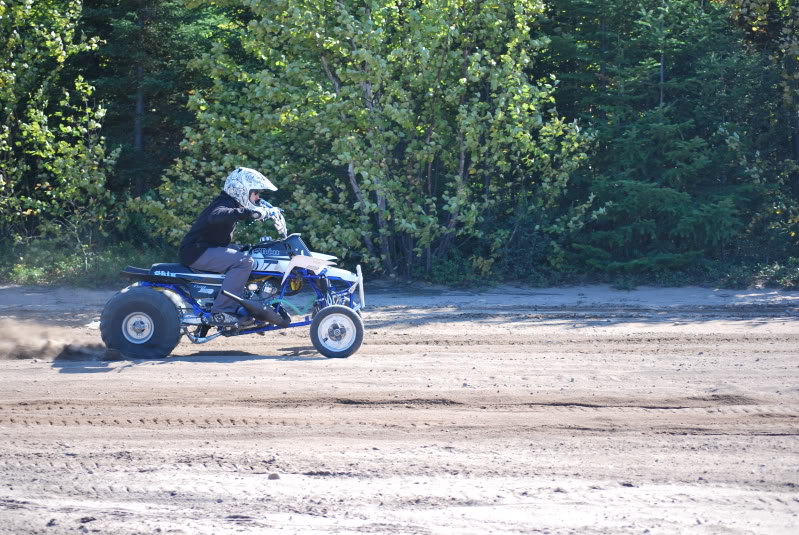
(264, 289)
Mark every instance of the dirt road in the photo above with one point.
(514, 411)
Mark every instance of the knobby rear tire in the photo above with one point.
(140, 323)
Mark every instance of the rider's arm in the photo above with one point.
(223, 214)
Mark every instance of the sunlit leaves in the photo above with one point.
(51, 156)
(393, 130)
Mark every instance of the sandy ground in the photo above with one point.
(580, 410)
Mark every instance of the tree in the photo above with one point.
(53, 163)
(140, 69)
(403, 134)
(773, 28)
(689, 135)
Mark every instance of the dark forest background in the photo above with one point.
(441, 140)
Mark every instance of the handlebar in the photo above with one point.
(277, 218)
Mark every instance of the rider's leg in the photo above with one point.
(237, 268)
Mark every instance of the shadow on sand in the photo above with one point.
(69, 362)
(752, 316)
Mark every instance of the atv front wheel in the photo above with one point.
(140, 323)
(337, 331)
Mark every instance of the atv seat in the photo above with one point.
(201, 272)
(178, 268)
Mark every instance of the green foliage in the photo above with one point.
(419, 139)
(50, 261)
(141, 74)
(53, 163)
(778, 275)
(690, 141)
(454, 269)
(394, 132)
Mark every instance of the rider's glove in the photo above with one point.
(260, 213)
(273, 212)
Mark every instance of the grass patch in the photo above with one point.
(49, 262)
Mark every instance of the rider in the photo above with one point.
(207, 246)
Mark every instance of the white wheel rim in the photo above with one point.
(336, 332)
(137, 328)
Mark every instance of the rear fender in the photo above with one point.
(173, 296)
(185, 306)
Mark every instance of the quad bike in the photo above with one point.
(148, 318)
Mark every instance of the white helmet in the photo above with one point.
(242, 181)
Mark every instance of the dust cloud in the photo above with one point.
(27, 340)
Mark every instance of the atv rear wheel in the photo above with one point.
(140, 323)
(337, 331)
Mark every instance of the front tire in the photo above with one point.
(140, 323)
(337, 331)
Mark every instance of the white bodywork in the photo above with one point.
(310, 263)
(324, 256)
(314, 263)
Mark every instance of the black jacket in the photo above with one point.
(213, 228)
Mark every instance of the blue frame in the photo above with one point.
(321, 297)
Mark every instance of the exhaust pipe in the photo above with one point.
(261, 312)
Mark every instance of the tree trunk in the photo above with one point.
(356, 188)
(602, 51)
(443, 247)
(428, 261)
(382, 228)
(385, 251)
(662, 75)
(795, 134)
(794, 122)
(382, 225)
(138, 117)
(367, 240)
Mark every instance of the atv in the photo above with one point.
(148, 318)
